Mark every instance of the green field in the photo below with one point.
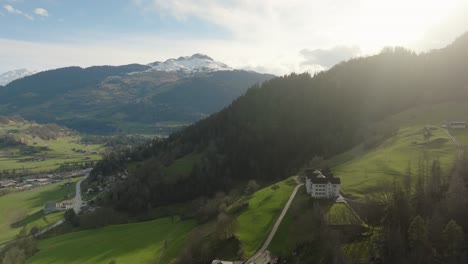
(182, 166)
(391, 159)
(25, 208)
(61, 148)
(341, 214)
(130, 243)
(264, 208)
(285, 239)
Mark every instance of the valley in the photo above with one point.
(29, 147)
(189, 160)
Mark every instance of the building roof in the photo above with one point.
(7, 182)
(325, 180)
(312, 173)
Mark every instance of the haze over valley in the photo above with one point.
(194, 132)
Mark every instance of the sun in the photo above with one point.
(398, 22)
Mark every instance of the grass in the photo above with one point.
(58, 151)
(265, 206)
(181, 167)
(129, 243)
(25, 208)
(284, 241)
(362, 172)
(341, 214)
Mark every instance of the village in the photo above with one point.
(32, 181)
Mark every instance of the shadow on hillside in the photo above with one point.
(28, 219)
(57, 194)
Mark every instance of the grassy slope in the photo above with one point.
(26, 208)
(391, 159)
(340, 214)
(60, 150)
(264, 208)
(360, 170)
(129, 243)
(284, 241)
(182, 166)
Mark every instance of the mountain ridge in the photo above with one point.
(131, 98)
(9, 76)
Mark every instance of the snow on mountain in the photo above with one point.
(190, 64)
(7, 77)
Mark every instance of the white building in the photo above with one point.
(322, 186)
(457, 124)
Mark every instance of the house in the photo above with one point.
(322, 186)
(226, 262)
(52, 207)
(457, 124)
(8, 184)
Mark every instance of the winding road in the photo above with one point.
(258, 257)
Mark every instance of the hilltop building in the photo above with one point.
(322, 185)
(457, 124)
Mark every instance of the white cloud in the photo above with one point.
(12, 10)
(274, 36)
(329, 57)
(9, 9)
(41, 12)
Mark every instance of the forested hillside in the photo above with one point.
(273, 129)
(130, 99)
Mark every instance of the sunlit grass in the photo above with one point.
(129, 243)
(25, 208)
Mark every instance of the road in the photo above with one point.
(77, 203)
(457, 188)
(457, 145)
(261, 252)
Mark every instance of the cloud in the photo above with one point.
(326, 58)
(10, 9)
(41, 12)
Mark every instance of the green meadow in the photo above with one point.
(391, 160)
(24, 208)
(361, 170)
(341, 214)
(156, 241)
(284, 241)
(64, 147)
(265, 205)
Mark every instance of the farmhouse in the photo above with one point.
(457, 124)
(322, 186)
(8, 184)
(52, 207)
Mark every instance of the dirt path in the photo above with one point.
(457, 183)
(76, 207)
(257, 257)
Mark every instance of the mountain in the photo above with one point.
(156, 98)
(192, 64)
(275, 128)
(7, 77)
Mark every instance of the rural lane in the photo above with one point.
(77, 203)
(276, 226)
(457, 145)
(457, 189)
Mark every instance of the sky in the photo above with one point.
(270, 36)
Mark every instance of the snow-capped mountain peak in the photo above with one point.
(189, 64)
(7, 77)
